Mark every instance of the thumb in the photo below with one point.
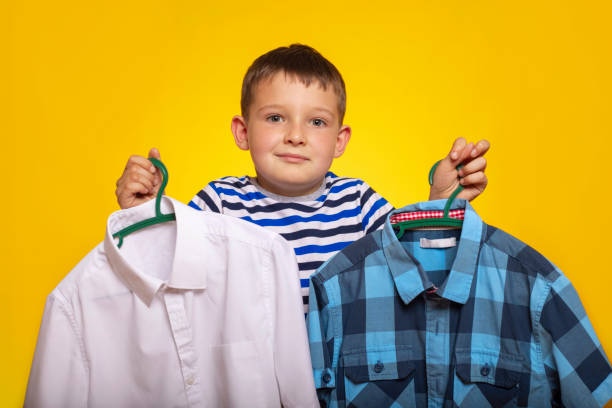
(448, 163)
(456, 151)
(459, 153)
(154, 153)
(444, 174)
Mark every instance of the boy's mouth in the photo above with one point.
(292, 158)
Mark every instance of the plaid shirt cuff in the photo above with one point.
(324, 378)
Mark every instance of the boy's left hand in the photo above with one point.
(471, 176)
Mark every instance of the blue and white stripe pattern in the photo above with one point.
(317, 226)
(486, 323)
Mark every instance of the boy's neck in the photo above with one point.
(296, 195)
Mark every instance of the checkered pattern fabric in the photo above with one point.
(504, 328)
(423, 215)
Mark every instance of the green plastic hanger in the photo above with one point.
(159, 217)
(445, 221)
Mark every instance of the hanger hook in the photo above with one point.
(157, 163)
(455, 193)
(159, 217)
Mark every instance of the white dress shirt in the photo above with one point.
(204, 312)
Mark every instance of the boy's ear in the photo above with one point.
(344, 135)
(239, 130)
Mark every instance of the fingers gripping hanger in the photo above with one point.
(159, 217)
(445, 221)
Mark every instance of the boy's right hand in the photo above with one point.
(139, 182)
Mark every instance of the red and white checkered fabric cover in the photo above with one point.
(423, 215)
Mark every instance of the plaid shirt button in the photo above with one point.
(485, 370)
(378, 367)
(326, 377)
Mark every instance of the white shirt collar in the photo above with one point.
(188, 266)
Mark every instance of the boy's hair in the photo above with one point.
(301, 61)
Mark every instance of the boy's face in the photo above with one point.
(293, 134)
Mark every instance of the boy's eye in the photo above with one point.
(318, 122)
(274, 118)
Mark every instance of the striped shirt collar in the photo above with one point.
(411, 282)
(286, 199)
(187, 271)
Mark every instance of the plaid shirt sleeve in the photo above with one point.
(574, 361)
(321, 342)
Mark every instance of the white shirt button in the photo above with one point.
(190, 380)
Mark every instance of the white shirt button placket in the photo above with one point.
(183, 339)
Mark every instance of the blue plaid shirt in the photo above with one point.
(488, 322)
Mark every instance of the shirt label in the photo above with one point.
(438, 243)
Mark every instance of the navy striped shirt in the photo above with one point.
(317, 226)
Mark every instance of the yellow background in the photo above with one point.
(86, 84)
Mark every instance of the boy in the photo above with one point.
(293, 104)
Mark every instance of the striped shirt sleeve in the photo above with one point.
(374, 209)
(207, 200)
(576, 366)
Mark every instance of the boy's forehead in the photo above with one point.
(283, 86)
(289, 78)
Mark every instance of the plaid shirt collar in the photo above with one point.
(410, 281)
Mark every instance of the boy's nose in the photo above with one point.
(295, 136)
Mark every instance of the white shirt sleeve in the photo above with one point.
(291, 350)
(59, 376)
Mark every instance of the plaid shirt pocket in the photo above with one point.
(378, 376)
(485, 378)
